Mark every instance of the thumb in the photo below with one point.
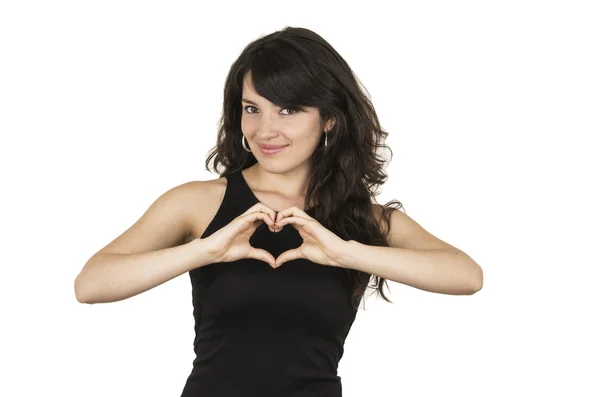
(261, 255)
(288, 256)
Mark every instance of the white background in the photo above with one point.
(492, 109)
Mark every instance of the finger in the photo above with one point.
(291, 211)
(296, 220)
(256, 218)
(261, 255)
(260, 207)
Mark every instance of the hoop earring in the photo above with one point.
(244, 145)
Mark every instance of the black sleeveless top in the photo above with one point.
(262, 331)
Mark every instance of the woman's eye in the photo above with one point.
(290, 110)
(293, 110)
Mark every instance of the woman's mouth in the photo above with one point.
(271, 149)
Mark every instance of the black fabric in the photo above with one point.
(262, 331)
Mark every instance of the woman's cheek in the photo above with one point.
(247, 125)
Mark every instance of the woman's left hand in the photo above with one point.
(320, 245)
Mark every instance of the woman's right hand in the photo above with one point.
(232, 241)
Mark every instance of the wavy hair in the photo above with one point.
(295, 67)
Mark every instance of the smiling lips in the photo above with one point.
(271, 149)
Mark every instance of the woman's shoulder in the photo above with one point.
(203, 187)
(203, 199)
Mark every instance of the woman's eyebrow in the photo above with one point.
(252, 103)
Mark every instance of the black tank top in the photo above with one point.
(267, 332)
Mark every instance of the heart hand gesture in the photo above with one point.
(232, 242)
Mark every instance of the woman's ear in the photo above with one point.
(330, 124)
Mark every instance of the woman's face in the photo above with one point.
(299, 130)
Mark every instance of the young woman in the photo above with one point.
(281, 248)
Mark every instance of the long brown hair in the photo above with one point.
(295, 67)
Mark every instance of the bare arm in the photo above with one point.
(417, 258)
(152, 251)
(112, 277)
(443, 270)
